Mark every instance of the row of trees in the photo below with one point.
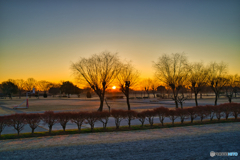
(173, 71)
(19, 86)
(18, 121)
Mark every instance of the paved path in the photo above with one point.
(192, 142)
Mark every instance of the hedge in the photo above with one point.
(18, 121)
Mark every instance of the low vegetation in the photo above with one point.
(18, 121)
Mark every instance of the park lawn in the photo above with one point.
(3, 111)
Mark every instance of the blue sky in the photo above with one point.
(39, 39)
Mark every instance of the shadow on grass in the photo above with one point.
(113, 129)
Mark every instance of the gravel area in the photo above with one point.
(192, 142)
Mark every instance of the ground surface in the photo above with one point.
(192, 142)
(84, 104)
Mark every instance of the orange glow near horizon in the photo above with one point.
(114, 87)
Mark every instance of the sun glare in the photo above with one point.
(114, 87)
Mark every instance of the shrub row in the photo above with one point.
(18, 121)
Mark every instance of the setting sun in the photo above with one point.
(114, 87)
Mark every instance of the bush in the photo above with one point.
(49, 118)
(150, 116)
(45, 95)
(3, 123)
(210, 111)
(235, 108)
(91, 118)
(182, 113)
(78, 118)
(226, 108)
(162, 112)
(172, 115)
(33, 120)
(119, 115)
(141, 117)
(63, 118)
(130, 115)
(192, 113)
(218, 111)
(17, 121)
(89, 95)
(104, 117)
(201, 112)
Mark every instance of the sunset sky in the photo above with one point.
(40, 39)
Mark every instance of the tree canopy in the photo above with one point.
(99, 71)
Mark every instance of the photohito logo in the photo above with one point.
(212, 153)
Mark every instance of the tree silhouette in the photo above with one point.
(231, 86)
(9, 88)
(127, 78)
(69, 88)
(217, 79)
(30, 84)
(98, 71)
(197, 79)
(172, 70)
(21, 84)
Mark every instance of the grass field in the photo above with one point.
(83, 104)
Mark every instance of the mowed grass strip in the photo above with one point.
(113, 129)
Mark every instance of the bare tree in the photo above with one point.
(154, 85)
(146, 85)
(43, 86)
(98, 71)
(127, 78)
(21, 84)
(30, 84)
(150, 85)
(217, 79)
(232, 82)
(197, 78)
(172, 70)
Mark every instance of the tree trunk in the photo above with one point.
(176, 103)
(129, 108)
(101, 104)
(182, 120)
(129, 123)
(92, 127)
(33, 131)
(142, 123)
(216, 98)
(50, 129)
(229, 99)
(79, 128)
(196, 99)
